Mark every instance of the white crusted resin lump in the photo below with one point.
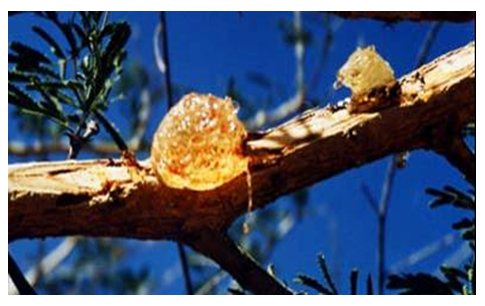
(365, 70)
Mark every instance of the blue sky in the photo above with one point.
(207, 48)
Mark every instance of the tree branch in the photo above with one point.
(114, 198)
(117, 198)
(245, 270)
(410, 16)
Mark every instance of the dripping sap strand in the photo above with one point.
(249, 215)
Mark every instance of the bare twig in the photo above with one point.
(141, 123)
(111, 130)
(185, 268)
(211, 283)
(410, 16)
(247, 272)
(324, 52)
(78, 141)
(424, 253)
(165, 65)
(427, 44)
(370, 198)
(49, 262)
(294, 104)
(381, 222)
(22, 285)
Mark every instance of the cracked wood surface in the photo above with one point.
(115, 199)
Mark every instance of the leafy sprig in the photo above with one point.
(71, 84)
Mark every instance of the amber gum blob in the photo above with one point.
(198, 145)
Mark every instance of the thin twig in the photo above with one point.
(327, 43)
(23, 286)
(47, 264)
(142, 119)
(380, 212)
(166, 60)
(370, 198)
(427, 44)
(249, 275)
(185, 268)
(211, 283)
(295, 103)
(424, 253)
(381, 222)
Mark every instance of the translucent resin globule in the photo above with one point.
(198, 145)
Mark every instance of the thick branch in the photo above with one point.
(410, 16)
(114, 198)
(247, 272)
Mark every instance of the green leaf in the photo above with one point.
(236, 291)
(312, 283)
(469, 235)
(52, 15)
(324, 269)
(420, 283)
(119, 34)
(451, 195)
(86, 22)
(354, 276)
(16, 76)
(463, 223)
(21, 99)
(469, 129)
(66, 29)
(25, 52)
(453, 275)
(55, 49)
(82, 35)
(370, 289)
(112, 131)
